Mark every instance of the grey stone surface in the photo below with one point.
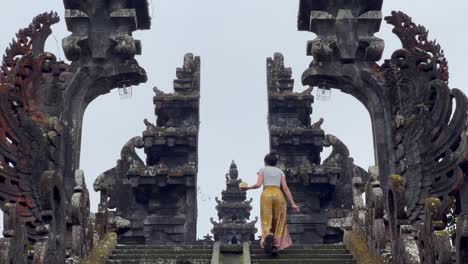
(13, 245)
(419, 126)
(419, 123)
(42, 114)
(321, 188)
(158, 196)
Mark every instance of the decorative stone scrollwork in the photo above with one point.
(419, 123)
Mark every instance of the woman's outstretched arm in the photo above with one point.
(286, 190)
(257, 185)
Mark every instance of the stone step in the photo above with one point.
(160, 256)
(303, 256)
(331, 246)
(304, 251)
(155, 261)
(172, 247)
(162, 251)
(303, 261)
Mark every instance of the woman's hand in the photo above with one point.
(295, 208)
(244, 188)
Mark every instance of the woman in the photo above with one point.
(275, 234)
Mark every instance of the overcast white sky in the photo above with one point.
(233, 39)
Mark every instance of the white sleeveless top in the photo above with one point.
(271, 176)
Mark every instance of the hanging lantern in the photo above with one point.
(125, 92)
(323, 93)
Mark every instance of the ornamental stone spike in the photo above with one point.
(233, 172)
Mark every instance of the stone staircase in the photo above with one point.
(149, 254)
(311, 254)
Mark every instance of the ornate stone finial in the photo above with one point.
(188, 76)
(345, 29)
(318, 124)
(233, 172)
(415, 38)
(279, 76)
(31, 39)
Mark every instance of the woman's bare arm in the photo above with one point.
(284, 186)
(255, 186)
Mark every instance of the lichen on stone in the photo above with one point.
(356, 243)
(103, 250)
(397, 182)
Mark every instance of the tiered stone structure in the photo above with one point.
(233, 213)
(159, 197)
(419, 125)
(322, 190)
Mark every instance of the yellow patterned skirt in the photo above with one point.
(273, 216)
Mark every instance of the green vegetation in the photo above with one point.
(356, 243)
(103, 250)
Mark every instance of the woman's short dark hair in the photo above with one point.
(271, 159)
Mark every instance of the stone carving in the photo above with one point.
(102, 50)
(419, 127)
(323, 190)
(233, 213)
(345, 30)
(158, 196)
(206, 241)
(461, 240)
(82, 229)
(418, 122)
(42, 105)
(13, 245)
(434, 245)
(429, 136)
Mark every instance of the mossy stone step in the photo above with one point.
(330, 246)
(160, 256)
(304, 251)
(303, 256)
(303, 261)
(173, 247)
(162, 251)
(168, 261)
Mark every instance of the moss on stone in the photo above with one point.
(7, 207)
(358, 247)
(442, 234)
(432, 201)
(397, 182)
(103, 250)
